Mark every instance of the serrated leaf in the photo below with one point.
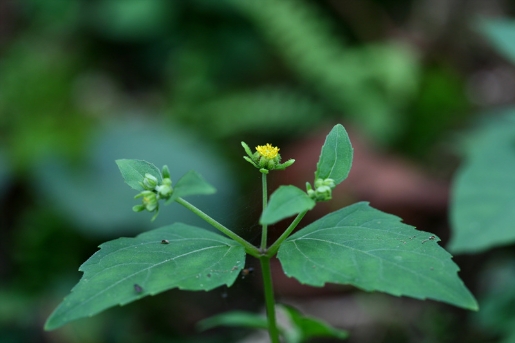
(483, 192)
(127, 269)
(285, 202)
(191, 183)
(234, 319)
(501, 33)
(302, 328)
(374, 251)
(133, 172)
(336, 156)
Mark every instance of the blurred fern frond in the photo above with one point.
(370, 84)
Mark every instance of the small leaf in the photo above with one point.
(483, 192)
(336, 156)
(285, 202)
(127, 269)
(133, 172)
(234, 319)
(192, 183)
(374, 251)
(302, 328)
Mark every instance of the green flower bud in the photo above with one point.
(323, 189)
(149, 200)
(165, 189)
(149, 182)
(165, 172)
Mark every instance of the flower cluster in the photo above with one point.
(153, 191)
(265, 158)
(323, 189)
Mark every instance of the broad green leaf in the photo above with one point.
(483, 192)
(127, 269)
(501, 33)
(234, 319)
(192, 183)
(133, 172)
(374, 251)
(302, 328)
(336, 156)
(285, 202)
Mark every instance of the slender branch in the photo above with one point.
(274, 247)
(264, 229)
(269, 299)
(249, 248)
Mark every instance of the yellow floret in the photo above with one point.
(267, 150)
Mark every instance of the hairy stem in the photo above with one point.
(269, 299)
(249, 248)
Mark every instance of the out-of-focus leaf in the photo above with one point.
(285, 202)
(131, 20)
(192, 183)
(302, 328)
(483, 192)
(373, 250)
(501, 33)
(336, 156)
(236, 319)
(94, 198)
(497, 315)
(4, 173)
(293, 326)
(127, 269)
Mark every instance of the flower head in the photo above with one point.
(267, 151)
(265, 158)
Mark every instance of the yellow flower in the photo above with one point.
(267, 150)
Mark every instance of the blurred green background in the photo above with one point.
(85, 82)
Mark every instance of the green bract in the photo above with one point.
(336, 157)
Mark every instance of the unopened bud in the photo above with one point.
(149, 182)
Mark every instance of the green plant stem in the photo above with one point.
(269, 299)
(274, 247)
(264, 230)
(249, 248)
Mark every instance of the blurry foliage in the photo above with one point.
(483, 199)
(484, 188)
(482, 210)
(498, 313)
(79, 192)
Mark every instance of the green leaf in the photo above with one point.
(293, 326)
(302, 328)
(127, 269)
(192, 183)
(234, 319)
(285, 202)
(133, 172)
(483, 192)
(336, 156)
(374, 251)
(501, 33)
